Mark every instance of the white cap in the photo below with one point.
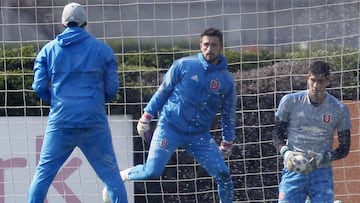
(73, 12)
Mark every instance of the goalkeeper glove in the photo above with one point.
(225, 148)
(295, 161)
(143, 127)
(316, 159)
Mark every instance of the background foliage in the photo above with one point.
(261, 82)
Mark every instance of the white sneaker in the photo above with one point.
(125, 174)
(124, 177)
(105, 196)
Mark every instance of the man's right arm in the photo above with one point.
(280, 134)
(162, 94)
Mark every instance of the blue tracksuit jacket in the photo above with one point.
(73, 103)
(76, 74)
(192, 93)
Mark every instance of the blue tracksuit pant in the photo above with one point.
(95, 143)
(201, 146)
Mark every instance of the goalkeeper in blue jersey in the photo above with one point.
(193, 91)
(306, 122)
(76, 74)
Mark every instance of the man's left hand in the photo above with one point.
(225, 148)
(316, 159)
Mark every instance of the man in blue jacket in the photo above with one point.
(76, 74)
(193, 91)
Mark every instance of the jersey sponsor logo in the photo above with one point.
(214, 85)
(312, 138)
(326, 118)
(312, 129)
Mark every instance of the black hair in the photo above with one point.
(319, 68)
(214, 33)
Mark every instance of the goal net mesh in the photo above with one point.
(268, 44)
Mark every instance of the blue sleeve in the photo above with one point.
(345, 123)
(229, 115)
(282, 113)
(111, 77)
(166, 88)
(41, 83)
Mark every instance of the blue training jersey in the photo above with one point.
(76, 74)
(193, 91)
(312, 127)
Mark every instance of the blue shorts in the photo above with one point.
(317, 185)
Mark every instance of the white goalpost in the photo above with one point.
(268, 44)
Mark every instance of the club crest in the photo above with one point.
(214, 85)
(326, 118)
(164, 143)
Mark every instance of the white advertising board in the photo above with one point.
(76, 181)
